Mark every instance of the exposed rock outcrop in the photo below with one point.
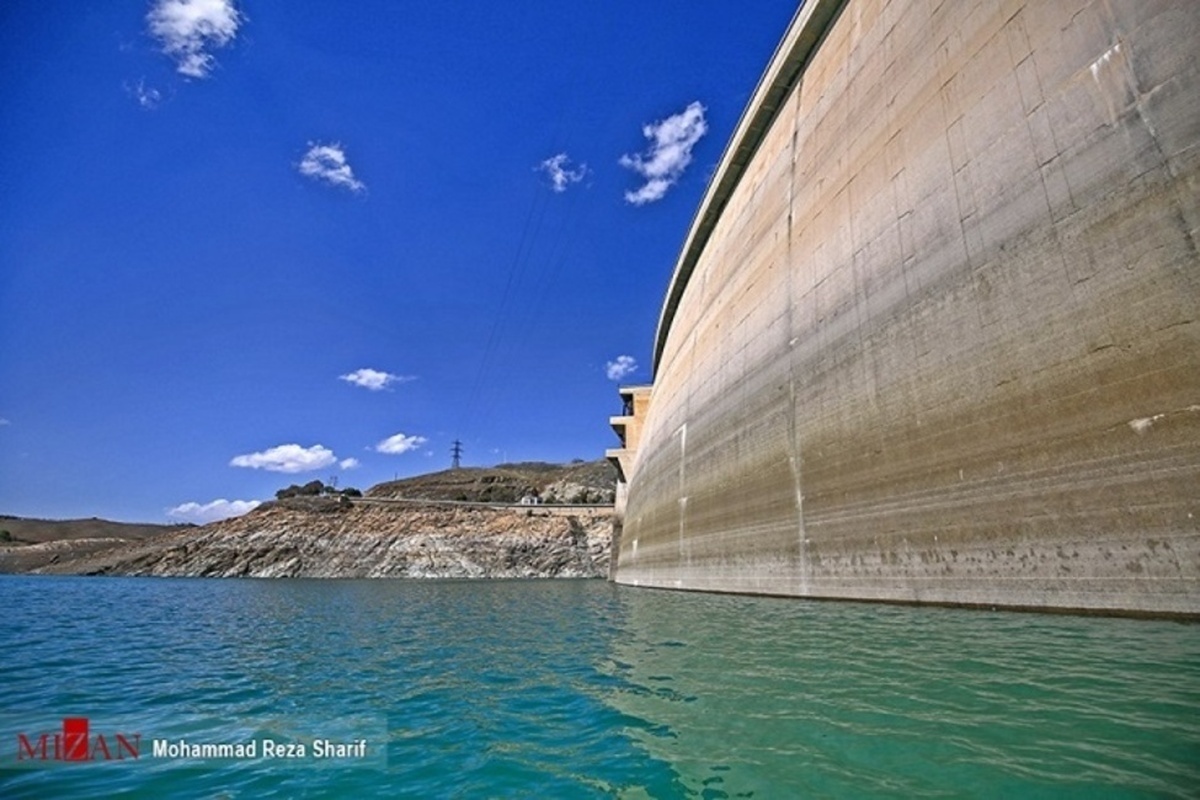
(333, 538)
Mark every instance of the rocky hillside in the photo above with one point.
(577, 482)
(327, 537)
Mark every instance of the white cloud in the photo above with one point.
(327, 162)
(211, 512)
(348, 463)
(670, 152)
(146, 96)
(561, 174)
(620, 368)
(395, 445)
(4, 422)
(290, 458)
(185, 28)
(373, 379)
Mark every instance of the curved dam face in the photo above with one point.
(933, 336)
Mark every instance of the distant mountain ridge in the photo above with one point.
(27, 544)
(34, 531)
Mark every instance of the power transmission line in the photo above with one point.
(456, 455)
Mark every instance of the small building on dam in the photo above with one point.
(934, 333)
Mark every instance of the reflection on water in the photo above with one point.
(581, 688)
(846, 699)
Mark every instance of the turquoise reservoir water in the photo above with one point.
(585, 689)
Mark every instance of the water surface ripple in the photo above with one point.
(585, 689)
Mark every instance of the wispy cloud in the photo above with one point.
(327, 162)
(348, 463)
(146, 96)
(561, 173)
(669, 153)
(4, 422)
(211, 512)
(395, 445)
(373, 379)
(620, 368)
(290, 458)
(187, 28)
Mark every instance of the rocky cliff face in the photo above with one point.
(324, 538)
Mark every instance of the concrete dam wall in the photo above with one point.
(933, 335)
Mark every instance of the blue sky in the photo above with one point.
(249, 244)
